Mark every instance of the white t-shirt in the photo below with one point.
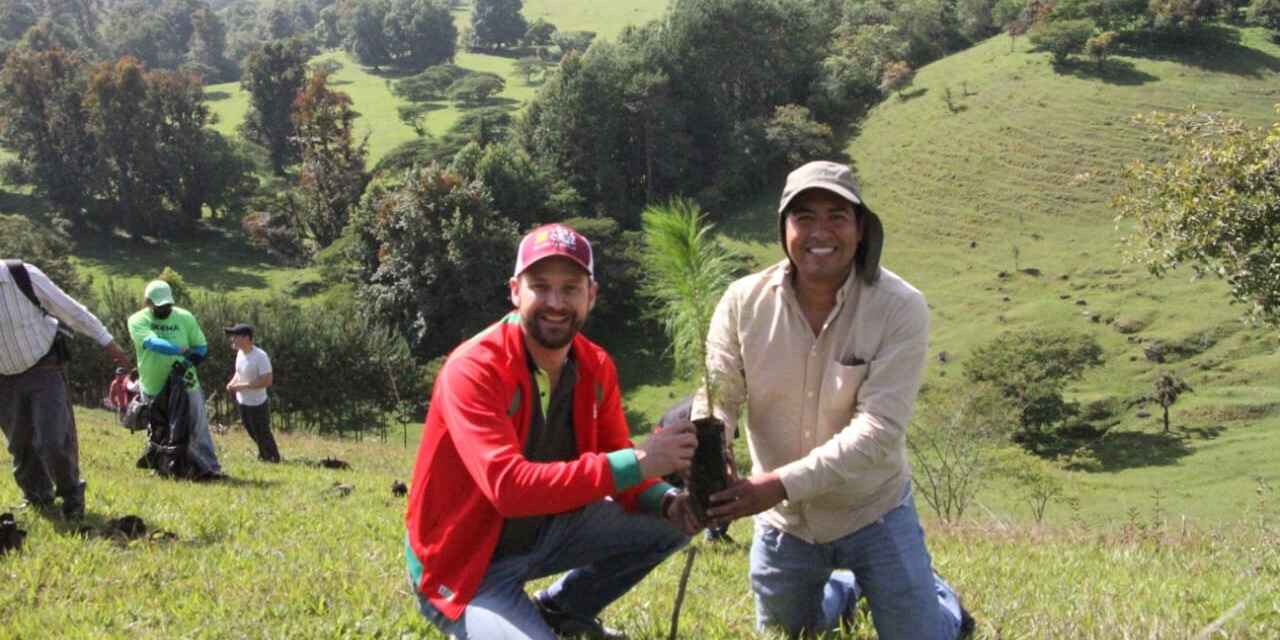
(249, 367)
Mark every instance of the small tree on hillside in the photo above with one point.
(952, 439)
(795, 137)
(896, 77)
(1100, 46)
(1015, 28)
(1165, 390)
(1212, 205)
(1032, 368)
(1061, 38)
(530, 66)
(1039, 482)
(475, 89)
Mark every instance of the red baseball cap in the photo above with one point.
(554, 240)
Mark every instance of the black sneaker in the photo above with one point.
(568, 625)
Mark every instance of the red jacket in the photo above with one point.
(471, 473)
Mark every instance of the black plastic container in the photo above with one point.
(707, 474)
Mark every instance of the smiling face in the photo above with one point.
(553, 297)
(823, 233)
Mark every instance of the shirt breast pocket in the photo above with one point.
(840, 392)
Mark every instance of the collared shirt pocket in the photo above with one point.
(840, 393)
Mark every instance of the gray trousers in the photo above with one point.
(41, 430)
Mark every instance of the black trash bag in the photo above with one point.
(169, 430)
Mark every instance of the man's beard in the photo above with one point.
(162, 311)
(560, 340)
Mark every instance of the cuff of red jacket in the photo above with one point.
(626, 469)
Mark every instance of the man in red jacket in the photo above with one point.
(526, 469)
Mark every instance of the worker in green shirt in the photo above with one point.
(162, 335)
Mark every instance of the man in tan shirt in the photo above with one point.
(826, 349)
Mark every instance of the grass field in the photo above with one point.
(280, 551)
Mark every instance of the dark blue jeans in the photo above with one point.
(606, 552)
(795, 589)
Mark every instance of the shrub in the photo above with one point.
(1032, 368)
(1061, 38)
(953, 439)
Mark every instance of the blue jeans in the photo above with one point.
(606, 552)
(795, 589)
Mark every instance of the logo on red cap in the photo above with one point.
(554, 240)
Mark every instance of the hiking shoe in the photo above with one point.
(568, 625)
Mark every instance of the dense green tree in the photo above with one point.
(129, 169)
(539, 33)
(519, 191)
(1214, 205)
(530, 66)
(273, 75)
(796, 138)
(497, 24)
(1061, 38)
(420, 33)
(427, 258)
(1032, 367)
(332, 177)
(366, 38)
(43, 121)
(466, 160)
(206, 52)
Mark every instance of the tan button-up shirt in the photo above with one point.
(828, 412)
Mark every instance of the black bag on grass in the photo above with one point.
(169, 429)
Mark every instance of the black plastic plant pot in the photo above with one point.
(707, 474)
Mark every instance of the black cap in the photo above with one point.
(239, 329)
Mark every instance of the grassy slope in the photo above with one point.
(1030, 159)
(275, 552)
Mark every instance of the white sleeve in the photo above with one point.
(66, 309)
(264, 363)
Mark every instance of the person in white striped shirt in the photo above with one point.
(34, 411)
